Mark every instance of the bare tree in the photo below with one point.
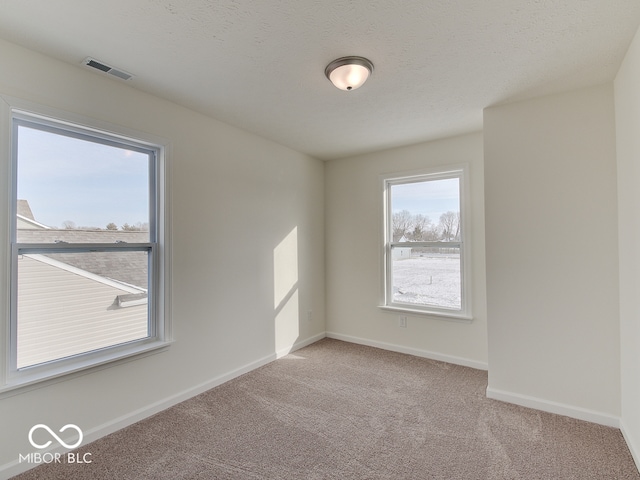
(457, 235)
(69, 225)
(112, 226)
(450, 226)
(431, 234)
(421, 224)
(401, 223)
(137, 227)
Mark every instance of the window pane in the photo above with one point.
(74, 303)
(427, 276)
(425, 211)
(74, 185)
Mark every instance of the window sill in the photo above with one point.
(22, 383)
(440, 315)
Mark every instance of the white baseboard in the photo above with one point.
(298, 345)
(554, 407)
(14, 468)
(465, 362)
(633, 447)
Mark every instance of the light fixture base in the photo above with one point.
(349, 73)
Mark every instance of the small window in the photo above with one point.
(87, 248)
(425, 254)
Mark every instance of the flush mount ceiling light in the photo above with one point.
(349, 73)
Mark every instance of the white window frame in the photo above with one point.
(15, 111)
(386, 294)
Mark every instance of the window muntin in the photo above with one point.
(84, 292)
(425, 254)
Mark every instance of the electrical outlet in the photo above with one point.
(402, 321)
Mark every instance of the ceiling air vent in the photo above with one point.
(93, 63)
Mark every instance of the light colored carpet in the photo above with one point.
(336, 410)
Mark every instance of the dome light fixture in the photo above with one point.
(349, 73)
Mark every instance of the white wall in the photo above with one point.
(552, 275)
(248, 254)
(354, 246)
(627, 105)
(552, 254)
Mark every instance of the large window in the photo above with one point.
(87, 248)
(425, 254)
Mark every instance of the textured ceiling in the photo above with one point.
(259, 64)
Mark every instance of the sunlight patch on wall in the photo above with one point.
(285, 291)
(285, 267)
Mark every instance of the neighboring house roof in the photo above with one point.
(24, 210)
(27, 223)
(73, 235)
(399, 238)
(125, 287)
(25, 217)
(131, 268)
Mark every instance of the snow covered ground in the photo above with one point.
(432, 279)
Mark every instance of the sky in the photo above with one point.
(431, 198)
(69, 179)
